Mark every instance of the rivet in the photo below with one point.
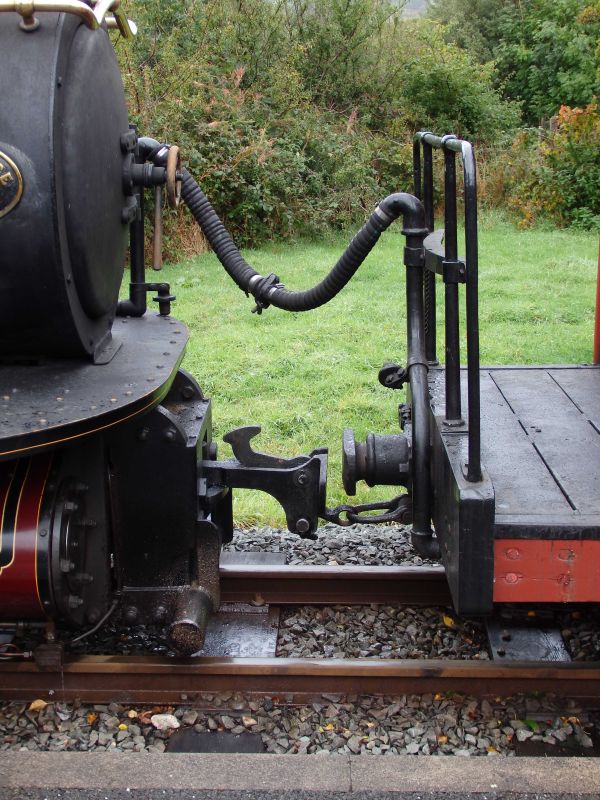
(143, 434)
(566, 555)
(511, 577)
(513, 553)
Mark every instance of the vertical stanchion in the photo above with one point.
(429, 277)
(417, 184)
(451, 315)
(472, 292)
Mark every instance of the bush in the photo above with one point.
(553, 173)
(295, 116)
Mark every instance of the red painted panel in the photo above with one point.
(546, 571)
(19, 515)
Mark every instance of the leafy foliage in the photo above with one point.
(556, 174)
(297, 116)
(545, 52)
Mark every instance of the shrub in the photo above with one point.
(553, 173)
(295, 116)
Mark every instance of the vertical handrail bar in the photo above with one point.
(451, 315)
(429, 278)
(465, 150)
(417, 182)
(472, 292)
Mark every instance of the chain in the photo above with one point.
(398, 509)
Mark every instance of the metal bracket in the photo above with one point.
(393, 376)
(454, 271)
(298, 484)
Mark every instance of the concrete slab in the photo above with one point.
(22, 774)
(201, 771)
(476, 774)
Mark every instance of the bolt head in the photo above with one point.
(302, 526)
(302, 478)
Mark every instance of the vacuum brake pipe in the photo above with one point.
(269, 291)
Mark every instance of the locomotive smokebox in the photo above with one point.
(63, 210)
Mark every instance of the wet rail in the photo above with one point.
(333, 585)
(143, 679)
(160, 680)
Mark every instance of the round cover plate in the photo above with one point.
(11, 184)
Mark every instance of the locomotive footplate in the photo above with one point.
(530, 530)
(51, 402)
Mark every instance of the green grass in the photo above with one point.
(305, 377)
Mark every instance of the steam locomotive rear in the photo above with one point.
(102, 434)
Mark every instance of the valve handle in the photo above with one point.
(174, 177)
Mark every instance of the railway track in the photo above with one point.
(155, 679)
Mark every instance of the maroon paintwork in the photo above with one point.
(19, 593)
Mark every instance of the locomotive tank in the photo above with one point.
(62, 202)
(92, 411)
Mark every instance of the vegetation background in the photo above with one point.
(296, 116)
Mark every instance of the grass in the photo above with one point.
(305, 377)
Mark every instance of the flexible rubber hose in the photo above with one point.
(267, 290)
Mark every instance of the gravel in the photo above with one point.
(368, 545)
(379, 631)
(418, 725)
(580, 630)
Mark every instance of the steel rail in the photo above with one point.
(160, 680)
(333, 585)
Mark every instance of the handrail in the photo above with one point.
(92, 17)
(451, 145)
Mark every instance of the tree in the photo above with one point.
(544, 51)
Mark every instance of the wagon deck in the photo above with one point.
(540, 449)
